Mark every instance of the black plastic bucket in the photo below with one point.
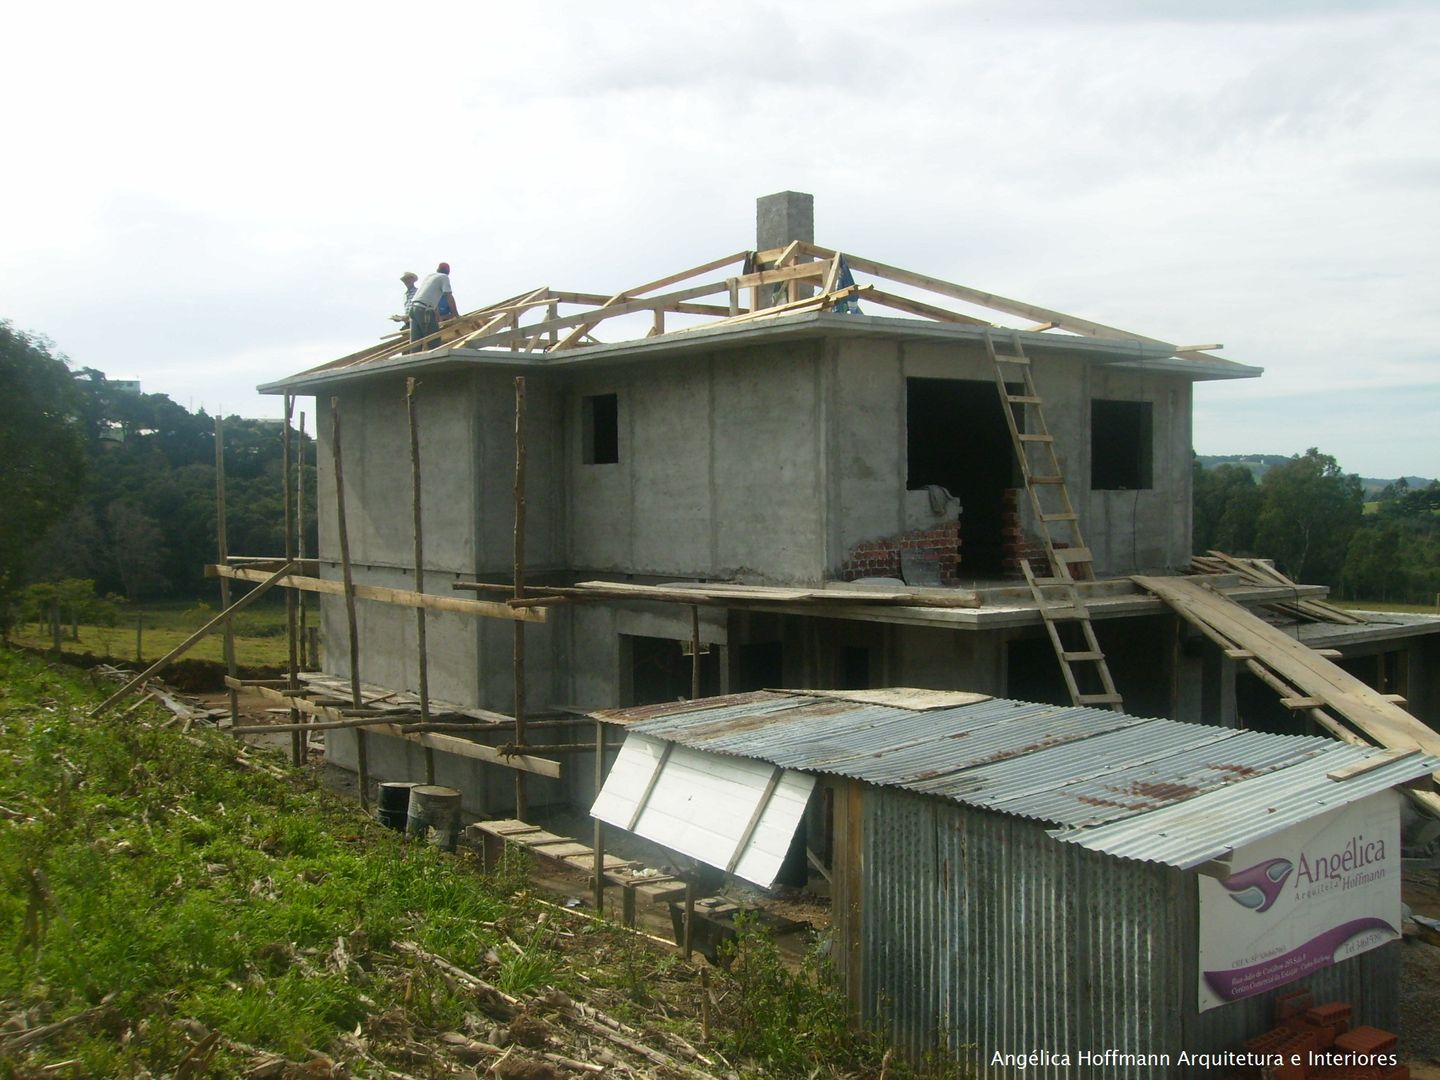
(394, 803)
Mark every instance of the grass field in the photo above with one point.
(173, 905)
(259, 641)
(1383, 605)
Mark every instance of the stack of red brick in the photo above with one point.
(881, 558)
(1318, 1043)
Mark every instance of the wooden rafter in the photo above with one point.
(795, 265)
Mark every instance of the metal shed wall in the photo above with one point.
(975, 932)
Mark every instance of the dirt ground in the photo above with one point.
(1420, 975)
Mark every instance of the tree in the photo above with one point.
(1309, 510)
(42, 452)
(1227, 508)
(138, 548)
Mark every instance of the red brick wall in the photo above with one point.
(1018, 543)
(881, 558)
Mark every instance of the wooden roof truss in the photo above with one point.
(759, 285)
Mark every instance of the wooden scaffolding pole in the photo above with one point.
(222, 546)
(694, 651)
(598, 839)
(362, 756)
(297, 740)
(422, 657)
(520, 806)
(186, 645)
(307, 661)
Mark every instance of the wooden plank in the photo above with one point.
(266, 584)
(1358, 768)
(1360, 705)
(404, 597)
(450, 744)
(750, 826)
(650, 786)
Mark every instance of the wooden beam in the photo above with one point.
(583, 322)
(384, 595)
(185, 646)
(580, 331)
(650, 786)
(928, 311)
(449, 744)
(750, 826)
(990, 300)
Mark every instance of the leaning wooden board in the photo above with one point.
(1367, 709)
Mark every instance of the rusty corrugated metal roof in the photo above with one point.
(1088, 772)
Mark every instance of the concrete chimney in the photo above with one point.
(783, 217)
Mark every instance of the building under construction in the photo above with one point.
(797, 468)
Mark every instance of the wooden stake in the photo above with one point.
(705, 1005)
(185, 646)
(422, 657)
(222, 545)
(291, 612)
(695, 651)
(520, 585)
(362, 757)
(598, 839)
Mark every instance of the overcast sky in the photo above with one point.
(207, 197)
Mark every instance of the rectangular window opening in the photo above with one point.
(1121, 437)
(600, 420)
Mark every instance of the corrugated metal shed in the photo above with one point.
(1154, 790)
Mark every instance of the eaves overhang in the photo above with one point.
(1122, 353)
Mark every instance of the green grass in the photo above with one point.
(259, 638)
(157, 887)
(1385, 605)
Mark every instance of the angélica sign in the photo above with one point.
(1301, 900)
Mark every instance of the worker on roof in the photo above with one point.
(423, 307)
(408, 279)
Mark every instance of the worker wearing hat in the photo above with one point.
(423, 307)
(408, 279)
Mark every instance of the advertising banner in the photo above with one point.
(1303, 899)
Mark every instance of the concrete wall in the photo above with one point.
(866, 395)
(764, 465)
(720, 470)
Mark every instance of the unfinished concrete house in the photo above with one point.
(794, 467)
(781, 427)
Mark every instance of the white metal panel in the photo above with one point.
(701, 805)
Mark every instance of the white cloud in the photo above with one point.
(213, 197)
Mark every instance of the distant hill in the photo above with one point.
(1259, 464)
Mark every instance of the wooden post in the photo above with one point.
(55, 626)
(139, 631)
(362, 757)
(307, 658)
(598, 840)
(689, 918)
(422, 655)
(222, 547)
(695, 651)
(292, 596)
(520, 807)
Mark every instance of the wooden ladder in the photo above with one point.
(1056, 596)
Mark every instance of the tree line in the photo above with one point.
(1311, 517)
(102, 483)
